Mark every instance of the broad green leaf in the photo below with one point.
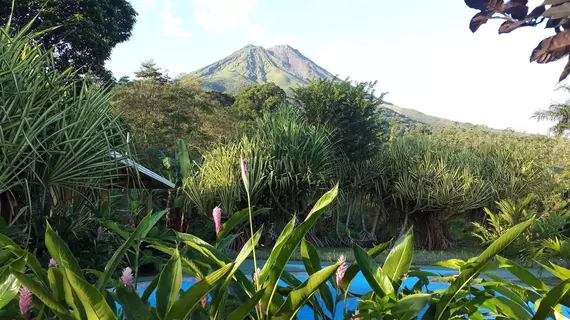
(237, 219)
(558, 271)
(111, 225)
(241, 257)
(455, 264)
(399, 259)
(133, 306)
(151, 286)
(140, 232)
(512, 296)
(469, 273)
(523, 274)
(203, 247)
(299, 297)
(410, 306)
(353, 270)
(312, 264)
(375, 276)
(92, 300)
(289, 246)
(551, 300)
(43, 294)
(56, 279)
(225, 242)
(169, 285)
(510, 308)
(246, 308)
(285, 234)
(60, 252)
(189, 299)
(9, 284)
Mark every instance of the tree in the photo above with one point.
(87, 32)
(161, 111)
(351, 111)
(252, 101)
(559, 113)
(149, 71)
(516, 14)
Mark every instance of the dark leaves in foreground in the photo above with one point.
(515, 14)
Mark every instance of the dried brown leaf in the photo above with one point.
(552, 48)
(517, 9)
(509, 26)
(565, 72)
(479, 19)
(561, 11)
(477, 4)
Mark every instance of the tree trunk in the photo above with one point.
(432, 231)
(362, 220)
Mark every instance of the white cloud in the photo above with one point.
(143, 6)
(220, 16)
(171, 24)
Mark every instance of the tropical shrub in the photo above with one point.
(351, 111)
(435, 181)
(61, 143)
(254, 101)
(543, 234)
(290, 162)
(160, 111)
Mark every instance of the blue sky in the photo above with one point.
(421, 52)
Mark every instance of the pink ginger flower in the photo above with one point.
(25, 301)
(99, 232)
(52, 263)
(127, 277)
(243, 171)
(204, 299)
(341, 270)
(217, 214)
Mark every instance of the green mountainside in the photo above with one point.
(282, 65)
(414, 116)
(287, 67)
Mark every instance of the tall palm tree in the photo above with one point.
(559, 113)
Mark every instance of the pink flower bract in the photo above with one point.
(243, 171)
(341, 270)
(52, 263)
(217, 214)
(25, 301)
(127, 277)
(99, 232)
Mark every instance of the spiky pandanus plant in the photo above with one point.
(289, 163)
(433, 184)
(56, 135)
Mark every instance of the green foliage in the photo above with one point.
(57, 137)
(160, 111)
(289, 161)
(543, 234)
(558, 113)
(255, 100)
(435, 180)
(350, 111)
(86, 31)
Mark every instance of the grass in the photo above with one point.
(420, 257)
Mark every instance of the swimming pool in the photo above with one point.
(359, 285)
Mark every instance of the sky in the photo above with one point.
(421, 52)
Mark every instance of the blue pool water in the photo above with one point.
(358, 286)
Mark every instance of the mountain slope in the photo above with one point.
(432, 121)
(282, 64)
